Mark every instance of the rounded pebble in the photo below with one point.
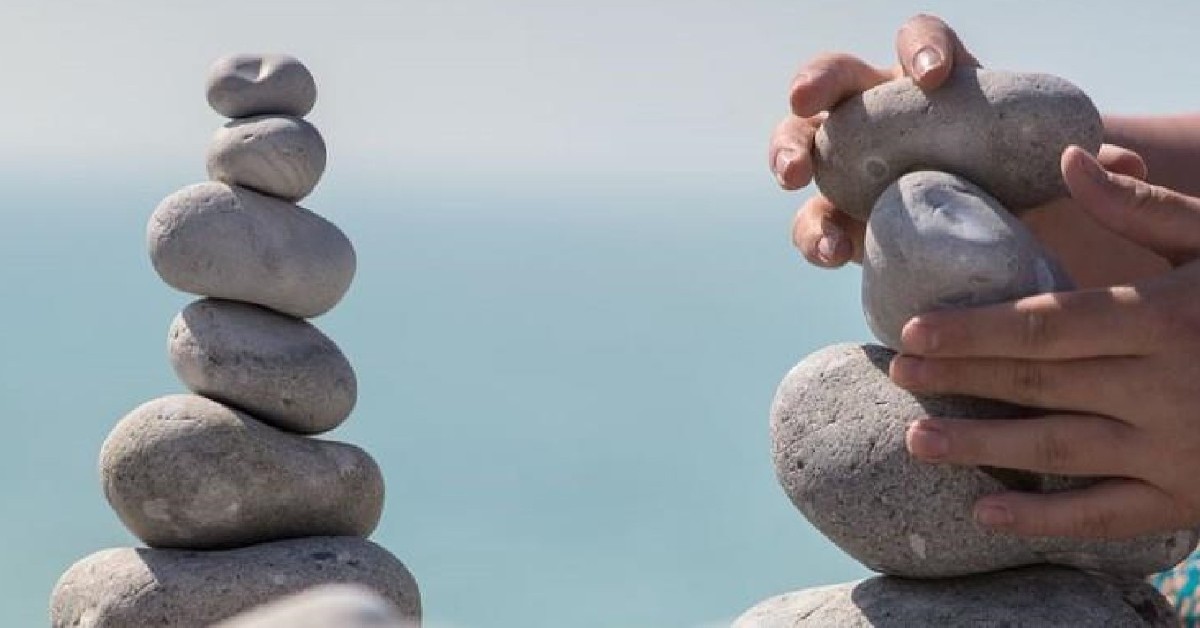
(183, 471)
(216, 240)
(275, 155)
(126, 587)
(244, 85)
(326, 606)
(281, 370)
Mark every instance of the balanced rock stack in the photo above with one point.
(237, 504)
(939, 178)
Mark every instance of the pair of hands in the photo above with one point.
(1119, 366)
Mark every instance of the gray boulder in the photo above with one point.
(838, 426)
(326, 606)
(127, 587)
(186, 472)
(276, 155)
(244, 85)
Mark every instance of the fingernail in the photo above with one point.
(927, 441)
(925, 60)
(993, 515)
(783, 159)
(919, 336)
(908, 371)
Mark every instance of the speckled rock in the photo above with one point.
(1041, 597)
(281, 370)
(276, 155)
(935, 241)
(244, 85)
(326, 606)
(1002, 130)
(216, 240)
(838, 426)
(126, 587)
(183, 471)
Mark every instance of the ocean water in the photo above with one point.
(567, 390)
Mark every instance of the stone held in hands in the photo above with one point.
(123, 587)
(216, 240)
(326, 606)
(935, 241)
(281, 370)
(838, 437)
(184, 471)
(244, 85)
(1005, 131)
(276, 155)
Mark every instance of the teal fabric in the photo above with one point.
(1180, 585)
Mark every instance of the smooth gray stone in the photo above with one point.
(216, 240)
(127, 587)
(1005, 131)
(183, 471)
(326, 606)
(1034, 597)
(838, 426)
(244, 85)
(281, 370)
(276, 155)
(937, 241)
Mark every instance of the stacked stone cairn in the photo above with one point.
(940, 179)
(238, 504)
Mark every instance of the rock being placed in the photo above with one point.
(276, 155)
(122, 588)
(216, 240)
(185, 471)
(328, 606)
(1004, 131)
(1045, 597)
(281, 370)
(838, 426)
(244, 85)
(936, 241)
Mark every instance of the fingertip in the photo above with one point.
(994, 513)
(1080, 170)
(919, 336)
(929, 67)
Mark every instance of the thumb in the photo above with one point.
(1155, 217)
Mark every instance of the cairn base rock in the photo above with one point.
(327, 606)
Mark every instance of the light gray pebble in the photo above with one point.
(937, 241)
(326, 606)
(216, 240)
(128, 587)
(276, 155)
(1005, 131)
(281, 370)
(183, 471)
(838, 429)
(244, 85)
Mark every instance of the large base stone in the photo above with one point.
(327, 606)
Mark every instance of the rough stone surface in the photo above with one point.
(837, 427)
(935, 241)
(1042, 597)
(244, 85)
(326, 606)
(126, 587)
(1004, 131)
(276, 155)
(281, 370)
(228, 242)
(186, 472)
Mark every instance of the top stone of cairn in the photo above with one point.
(244, 85)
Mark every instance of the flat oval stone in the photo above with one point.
(937, 241)
(326, 606)
(217, 240)
(244, 85)
(281, 370)
(125, 587)
(183, 471)
(276, 155)
(1044, 596)
(1005, 131)
(838, 426)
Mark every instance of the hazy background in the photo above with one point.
(576, 293)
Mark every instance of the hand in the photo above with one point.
(1119, 366)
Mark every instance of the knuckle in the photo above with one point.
(1094, 522)
(1054, 451)
(1028, 380)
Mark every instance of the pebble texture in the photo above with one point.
(1041, 597)
(281, 370)
(244, 85)
(327, 606)
(936, 241)
(1002, 130)
(216, 240)
(126, 587)
(186, 472)
(837, 427)
(276, 155)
